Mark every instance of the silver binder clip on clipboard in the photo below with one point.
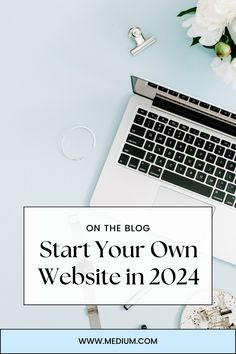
(141, 43)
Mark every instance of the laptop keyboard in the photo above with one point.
(186, 157)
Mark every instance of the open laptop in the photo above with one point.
(173, 149)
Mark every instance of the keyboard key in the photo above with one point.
(204, 135)
(183, 97)
(209, 169)
(170, 142)
(136, 129)
(190, 150)
(210, 158)
(219, 172)
(225, 143)
(150, 157)
(231, 188)
(194, 131)
(233, 116)
(170, 165)
(144, 166)
(173, 93)
(186, 183)
(163, 89)
(214, 139)
(149, 123)
(218, 195)
(193, 100)
(230, 200)
(152, 115)
(215, 109)
(179, 134)
(181, 169)
(220, 161)
(155, 171)
(219, 150)
(230, 176)
(123, 160)
(201, 177)
(221, 184)
(225, 113)
(229, 154)
(204, 105)
(184, 127)
(150, 135)
(173, 123)
(201, 154)
(151, 84)
(160, 161)
(135, 140)
(179, 157)
(134, 151)
(159, 127)
(139, 119)
(231, 166)
(149, 145)
(191, 173)
(160, 139)
(211, 181)
(199, 142)
(159, 149)
(142, 111)
(169, 131)
(189, 161)
(233, 146)
(169, 153)
(163, 120)
(209, 146)
(180, 146)
(199, 165)
(134, 163)
(189, 138)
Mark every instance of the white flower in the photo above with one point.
(225, 69)
(232, 29)
(210, 20)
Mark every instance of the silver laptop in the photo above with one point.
(173, 149)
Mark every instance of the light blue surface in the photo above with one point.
(168, 341)
(65, 63)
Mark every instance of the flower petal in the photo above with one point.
(188, 22)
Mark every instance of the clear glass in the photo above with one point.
(77, 142)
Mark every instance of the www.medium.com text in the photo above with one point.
(117, 340)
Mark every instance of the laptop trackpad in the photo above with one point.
(167, 196)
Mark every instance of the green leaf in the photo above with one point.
(226, 37)
(233, 56)
(195, 41)
(209, 46)
(187, 12)
(233, 53)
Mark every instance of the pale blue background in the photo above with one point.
(168, 341)
(67, 62)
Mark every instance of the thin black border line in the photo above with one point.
(87, 206)
(212, 254)
(235, 340)
(119, 206)
(23, 256)
(117, 329)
